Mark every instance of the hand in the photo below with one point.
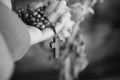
(58, 13)
(67, 30)
(55, 10)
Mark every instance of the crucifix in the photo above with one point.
(55, 45)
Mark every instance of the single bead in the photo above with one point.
(30, 16)
(19, 10)
(34, 24)
(48, 23)
(41, 13)
(20, 13)
(42, 19)
(35, 13)
(45, 21)
(38, 10)
(28, 21)
(24, 15)
(44, 15)
(42, 27)
(38, 24)
(37, 20)
(38, 16)
(32, 19)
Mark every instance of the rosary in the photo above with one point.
(69, 56)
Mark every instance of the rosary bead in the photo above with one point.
(45, 21)
(38, 16)
(35, 13)
(25, 16)
(42, 19)
(19, 10)
(42, 13)
(38, 10)
(42, 27)
(28, 21)
(32, 19)
(34, 24)
(38, 25)
(37, 20)
(48, 23)
(31, 16)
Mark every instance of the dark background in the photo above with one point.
(101, 34)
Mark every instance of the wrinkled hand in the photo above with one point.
(59, 14)
(68, 23)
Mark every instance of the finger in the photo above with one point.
(35, 35)
(69, 25)
(63, 21)
(60, 9)
(61, 36)
(36, 5)
(65, 17)
(68, 28)
(48, 33)
(53, 17)
(51, 7)
(66, 34)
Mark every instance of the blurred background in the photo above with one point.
(101, 33)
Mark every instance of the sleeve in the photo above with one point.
(14, 32)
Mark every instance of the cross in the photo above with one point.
(55, 45)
